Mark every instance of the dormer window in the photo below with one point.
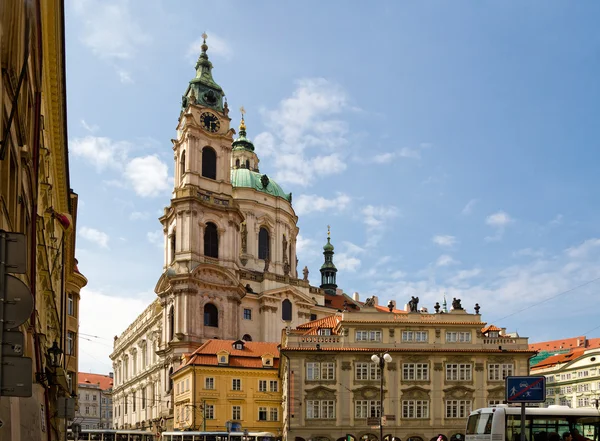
(267, 360)
(493, 334)
(325, 331)
(223, 358)
(239, 345)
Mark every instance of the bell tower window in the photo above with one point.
(286, 310)
(237, 163)
(247, 163)
(263, 244)
(209, 163)
(171, 323)
(211, 241)
(173, 245)
(182, 166)
(211, 315)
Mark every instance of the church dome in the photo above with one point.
(328, 246)
(243, 177)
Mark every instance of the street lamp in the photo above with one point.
(381, 360)
(55, 352)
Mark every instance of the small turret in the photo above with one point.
(328, 269)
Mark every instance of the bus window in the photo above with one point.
(479, 424)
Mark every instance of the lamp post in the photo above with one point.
(381, 360)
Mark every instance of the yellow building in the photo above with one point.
(37, 203)
(229, 382)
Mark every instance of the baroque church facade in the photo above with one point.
(230, 265)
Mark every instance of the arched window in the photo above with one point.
(263, 244)
(247, 163)
(173, 245)
(209, 163)
(182, 165)
(286, 310)
(171, 323)
(211, 241)
(211, 315)
(237, 162)
(247, 337)
(170, 383)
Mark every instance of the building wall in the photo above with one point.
(34, 186)
(193, 399)
(436, 393)
(575, 383)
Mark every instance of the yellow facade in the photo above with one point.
(36, 200)
(207, 397)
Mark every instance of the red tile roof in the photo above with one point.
(386, 309)
(566, 343)
(330, 322)
(490, 328)
(559, 359)
(249, 357)
(337, 302)
(104, 381)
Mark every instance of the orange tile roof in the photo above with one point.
(330, 322)
(490, 328)
(566, 343)
(249, 357)
(337, 302)
(386, 309)
(104, 381)
(553, 360)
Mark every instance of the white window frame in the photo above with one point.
(458, 336)
(364, 371)
(415, 409)
(459, 372)
(415, 336)
(209, 411)
(273, 386)
(236, 413)
(236, 384)
(415, 372)
(262, 385)
(458, 408)
(263, 410)
(273, 414)
(366, 409)
(368, 335)
(320, 409)
(249, 314)
(499, 371)
(209, 383)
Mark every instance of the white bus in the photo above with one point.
(503, 423)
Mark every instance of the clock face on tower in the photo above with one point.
(210, 122)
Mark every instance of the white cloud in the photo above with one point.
(463, 275)
(446, 260)
(98, 237)
(217, 46)
(308, 119)
(90, 128)
(584, 249)
(499, 219)
(156, 238)
(444, 241)
(306, 204)
(307, 249)
(125, 76)
(110, 29)
(148, 176)
(139, 215)
(528, 252)
(376, 216)
(468, 209)
(94, 308)
(345, 262)
(101, 152)
(404, 152)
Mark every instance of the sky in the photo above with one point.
(453, 147)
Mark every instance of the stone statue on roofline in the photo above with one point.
(456, 303)
(413, 304)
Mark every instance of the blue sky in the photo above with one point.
(453, 147)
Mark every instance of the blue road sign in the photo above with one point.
(525, 389)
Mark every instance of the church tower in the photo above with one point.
(328, 269)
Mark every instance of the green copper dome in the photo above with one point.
(328, 246)
(243, 177)
(241, 142)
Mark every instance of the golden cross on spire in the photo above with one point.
(242, 123)
(242, 111)
(328, 232)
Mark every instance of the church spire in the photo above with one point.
(328, 269)
(241, 142)
(203, 89)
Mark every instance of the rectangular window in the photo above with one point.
(583, 402)
(492, 403)
(549, 391)
(247, 314)
(550, 378)
(458, 372)
(367, 371)
(458, 337)
(273, 414)
(583, 374)
(415, 409)
(262, 414)
(320, 409)
(498, 372)
(71, 305)
(236, 384)
(564, 401)
(585, 387)
(324, 331)
(458, 408)
(70, 350)
(209, 383)
(262, 385)
(368, 335)
(143, 398)
(320, 371)
(209, 412)
(415, 336)
(94, 397)
(313, 317)
(236, 413)
(133, 401)
(366, 409)
(87, 397)
(273, 386)
(87, 410)
(415, 372)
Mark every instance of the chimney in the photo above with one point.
(110, 374)
(356, 297)
(375, 300)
